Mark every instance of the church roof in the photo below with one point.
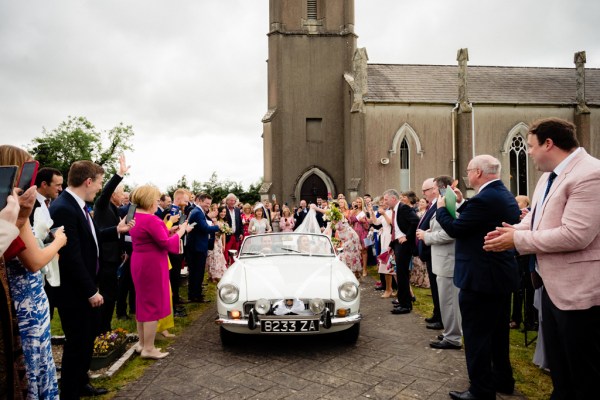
(402, 83)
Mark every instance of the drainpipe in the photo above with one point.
(453, 114)
(472, 129)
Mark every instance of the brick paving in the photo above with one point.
(391, 360)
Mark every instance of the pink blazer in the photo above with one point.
(566, 234)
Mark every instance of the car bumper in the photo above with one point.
(337, 324)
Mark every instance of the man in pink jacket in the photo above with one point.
(563, 232)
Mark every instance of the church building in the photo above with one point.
(338, 124)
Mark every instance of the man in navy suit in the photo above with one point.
(198, 244)
(485, 279)
(77, 298)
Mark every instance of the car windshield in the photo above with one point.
(286, 243)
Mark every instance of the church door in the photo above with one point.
(312, 188)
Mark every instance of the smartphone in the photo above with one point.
(130, 212)
(182, 218)
(443, 191)
(174, 210)
(27, 175)
(7, 180)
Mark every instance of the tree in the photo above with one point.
(218, 190)
(78, 139)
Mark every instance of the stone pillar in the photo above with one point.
(464, 128)
(582, 112)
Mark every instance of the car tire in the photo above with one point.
(227, 338)
(350, 335)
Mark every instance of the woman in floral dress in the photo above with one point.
(351, 247)
(216, 258)
(359, 222)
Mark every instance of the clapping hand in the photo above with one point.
(60, 236)
(501, 239)
(420, 234)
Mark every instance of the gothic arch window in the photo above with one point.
(518, 165)
(404, 154)
(405, 145)
(515, 147)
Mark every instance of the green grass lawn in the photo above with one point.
(530, 380)
(136, 366)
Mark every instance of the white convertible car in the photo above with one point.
(288, 284)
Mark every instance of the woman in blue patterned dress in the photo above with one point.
(30, 301)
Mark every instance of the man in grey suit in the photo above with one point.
(442, 265)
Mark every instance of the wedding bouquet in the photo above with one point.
(333, 214)
(103, 344)
(226, 229)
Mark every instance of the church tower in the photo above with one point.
(311, 46)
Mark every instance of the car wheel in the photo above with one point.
(350, 335)
(227, 338)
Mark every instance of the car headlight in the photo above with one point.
(262, 306)
(316, 306)
(229, 293)
(348, 291)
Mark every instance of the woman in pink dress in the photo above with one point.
(286, 222)
(246, 215)
(359, 222)
(150, 267)
(351, 247)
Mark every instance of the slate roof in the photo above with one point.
(403, 83)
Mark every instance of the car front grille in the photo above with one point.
(330, 304)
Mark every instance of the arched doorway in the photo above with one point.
(312, 188)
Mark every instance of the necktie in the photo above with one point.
(89, 221)
(47, 202)
(548, 185)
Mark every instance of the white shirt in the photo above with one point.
(397, 231)
(81, 203)
(232, 216)
(485, 184)
(42, 200)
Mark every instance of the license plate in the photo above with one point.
(289, 325)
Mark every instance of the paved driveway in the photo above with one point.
(391, 360)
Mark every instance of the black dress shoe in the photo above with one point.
(395, 302)
(400, 310)
(467, 395)
(431, 320)
(89, 390)
(440, 337)
(444, 345)
(435, 325)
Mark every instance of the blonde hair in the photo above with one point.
(284, 210)
(247, 206)
(343, 204)
(145, 196)
(12, 155)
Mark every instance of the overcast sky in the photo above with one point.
(190, 75)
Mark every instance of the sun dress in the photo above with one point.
(216, 259)
(361, 227)
(351, 246)
(33, 315)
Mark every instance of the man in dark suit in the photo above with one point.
(78, 299)
(486, 280)
(164, 206)
(430, 191)
(234, 220)
(106, 214)
(404, 226)
(198, 245)
(300, 214)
